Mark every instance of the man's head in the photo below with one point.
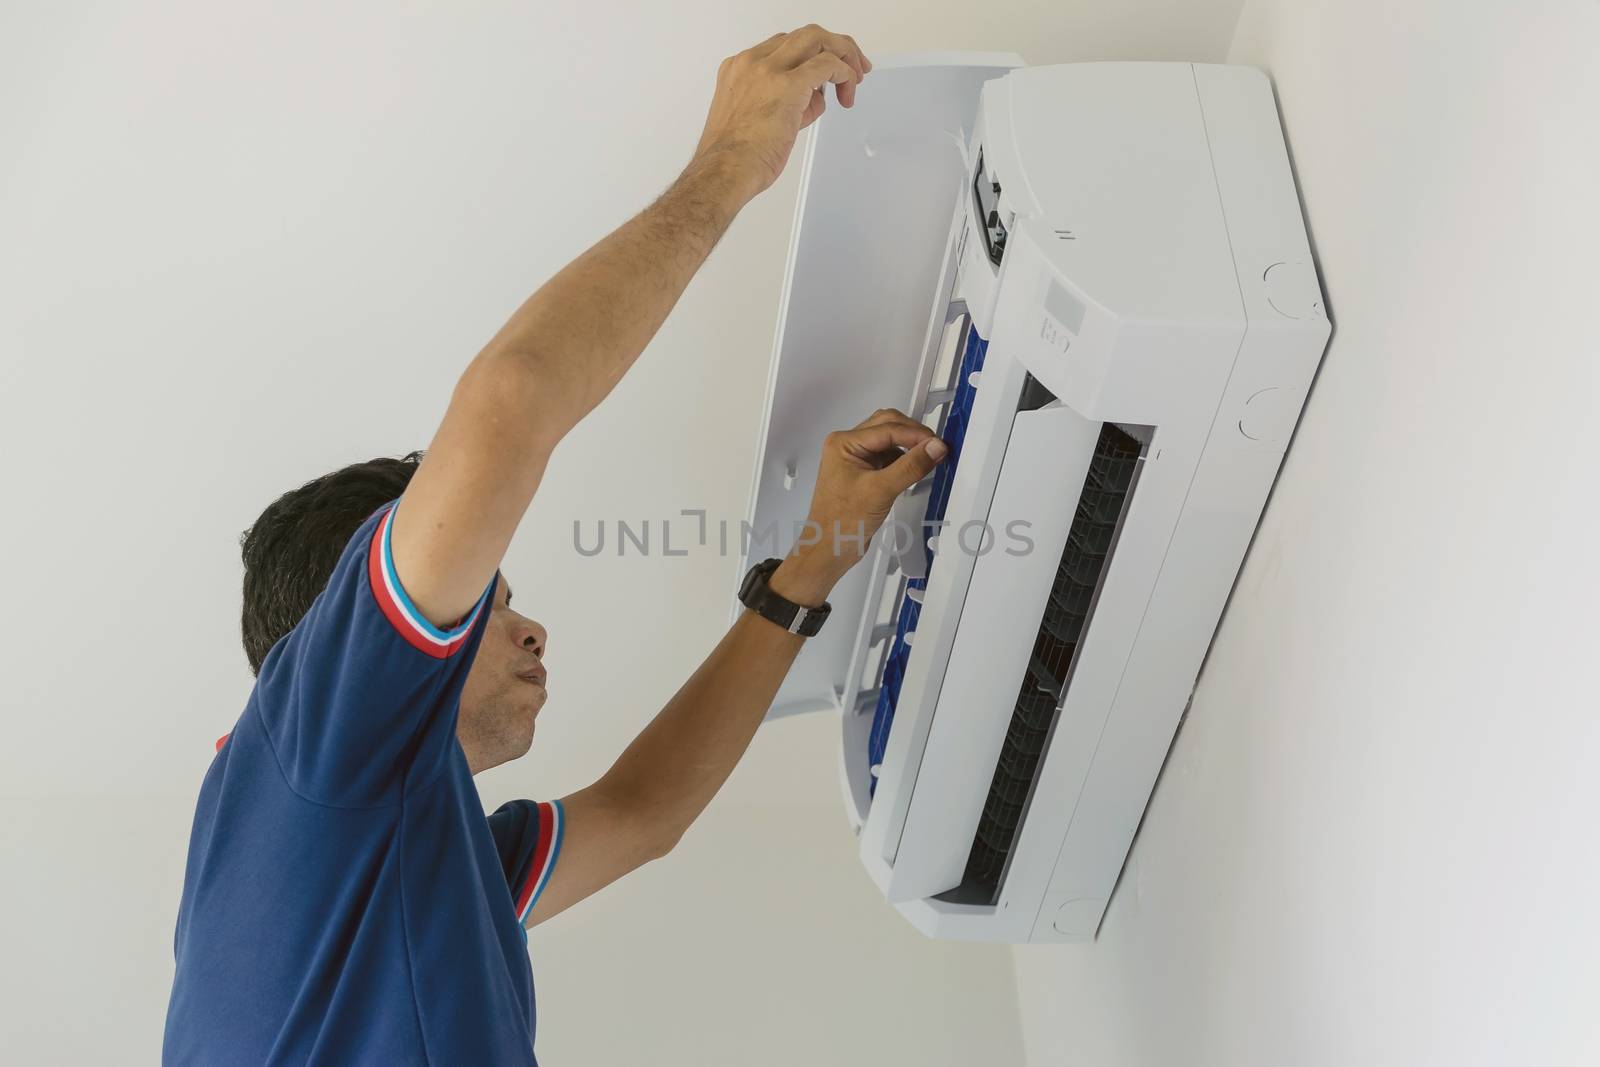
(290, 553)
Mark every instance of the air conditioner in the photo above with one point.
(1094, 281)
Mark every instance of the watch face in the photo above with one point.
(754, 579)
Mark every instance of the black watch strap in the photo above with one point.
(756, 595)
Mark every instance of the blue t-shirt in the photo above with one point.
(346, 901)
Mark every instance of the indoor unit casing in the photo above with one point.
(1094, 281)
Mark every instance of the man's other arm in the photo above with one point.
(662, 782)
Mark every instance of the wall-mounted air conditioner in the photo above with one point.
(1094, 281)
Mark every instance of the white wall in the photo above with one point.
(241, 245)
(1374, 842)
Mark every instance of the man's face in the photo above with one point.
(505, 688)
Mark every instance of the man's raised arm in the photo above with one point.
(570, 343)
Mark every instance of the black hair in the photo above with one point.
(290, 551)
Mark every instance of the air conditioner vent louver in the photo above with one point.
(1083, 562)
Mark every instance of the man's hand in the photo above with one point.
(862, 471)
(767, 94)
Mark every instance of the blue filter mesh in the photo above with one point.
(894, 667)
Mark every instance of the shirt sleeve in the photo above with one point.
(360, 699)
(527, 835)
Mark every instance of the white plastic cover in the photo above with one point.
(877, 184)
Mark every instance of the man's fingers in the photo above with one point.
(877, 445)
(798, 47)
(805, 42)
(816, 73)
(883, 433)
(914, 466)
(827, 67)
(887, 415)
(893, 430)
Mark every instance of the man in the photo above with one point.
(346, 901)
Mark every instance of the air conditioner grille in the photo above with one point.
(1083, 562)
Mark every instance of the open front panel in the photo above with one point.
(867, 256)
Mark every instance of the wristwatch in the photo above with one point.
(755, 594)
